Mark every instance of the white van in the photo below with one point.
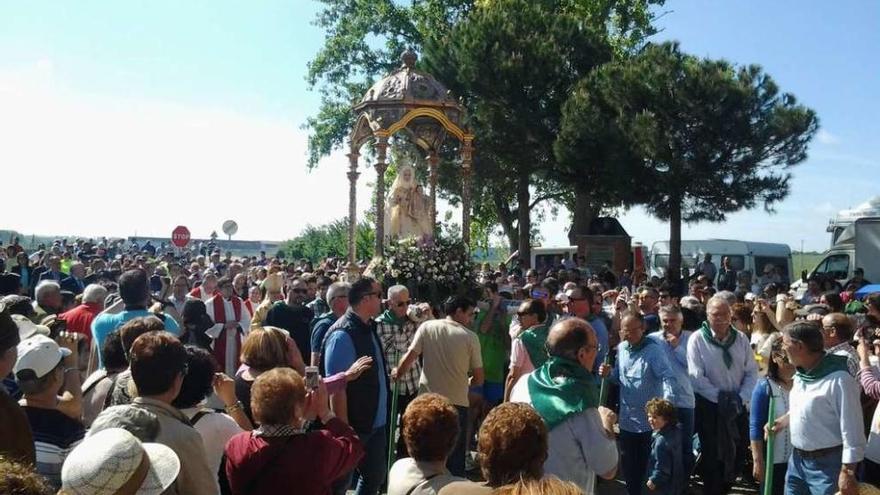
(544, 258)
(744, 255)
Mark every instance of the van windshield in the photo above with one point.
(836, 265)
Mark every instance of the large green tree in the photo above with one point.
(318, 242)
(713, 138)
(364, 39)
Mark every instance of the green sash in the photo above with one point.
(389, 317)
(829, 364)
(725, 346)
(561, 388)
(535, 340)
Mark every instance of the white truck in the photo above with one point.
(856, 246)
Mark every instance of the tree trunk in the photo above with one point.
(524, 221)
(506, 218)
(673, 270)
(583, 214)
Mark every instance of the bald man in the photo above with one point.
(837, 333)
(723, 371)
(566, 395)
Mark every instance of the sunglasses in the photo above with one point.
(300, 291)
(522, 313)
(402, 304)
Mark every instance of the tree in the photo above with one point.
(513, 63)
(317, 243)
(365, 38)
(715, 138)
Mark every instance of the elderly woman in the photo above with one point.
(266, 348)
(280, 452)
(512, 446)
(430, 429)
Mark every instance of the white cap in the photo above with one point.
(27, 328)
(39, 354)
(104, 462)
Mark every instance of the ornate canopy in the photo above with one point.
(412, 102)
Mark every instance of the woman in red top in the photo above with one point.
(280, 453)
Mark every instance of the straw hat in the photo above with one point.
(866, 489)
(114, 459)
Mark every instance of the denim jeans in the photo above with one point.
(455, 462)
(813, 476)
(371, 470)
(635, 449)
(686, 422)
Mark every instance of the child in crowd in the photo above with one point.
(665, 467)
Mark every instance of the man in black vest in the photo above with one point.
(351, 337)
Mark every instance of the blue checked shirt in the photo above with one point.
(642, 376)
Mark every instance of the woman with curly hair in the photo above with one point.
(430, 430)
(512, 447)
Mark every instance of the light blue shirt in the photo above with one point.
(709, 375)
(340, 354)
(105, 323)
(678, 361)
(642, 376)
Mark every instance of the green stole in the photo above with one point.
(829, 364)
(561, 388)
(725, 346)
(535, 342)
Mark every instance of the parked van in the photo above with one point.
(545, 258)
(744, 255)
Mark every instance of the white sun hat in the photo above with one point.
(113, 459)
(37, 356)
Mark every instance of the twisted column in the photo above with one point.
(381, 167)
(433, 163)
(352, 205)
(467, 150)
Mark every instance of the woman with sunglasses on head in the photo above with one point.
(777, 383)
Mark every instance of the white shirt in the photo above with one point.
(410, 477)
(577, 448)
(827, 413)
(216, 429)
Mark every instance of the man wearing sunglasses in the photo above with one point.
(292, 315)
(579, 303)
(396, 332)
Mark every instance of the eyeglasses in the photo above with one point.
(401, 304)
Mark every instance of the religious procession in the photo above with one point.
(533, 247)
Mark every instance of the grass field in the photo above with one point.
(805, 261)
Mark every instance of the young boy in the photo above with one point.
(665, 467)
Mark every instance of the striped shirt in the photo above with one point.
(55, 435)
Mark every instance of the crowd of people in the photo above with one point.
(137, 369)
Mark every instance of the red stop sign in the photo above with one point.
(180, 236)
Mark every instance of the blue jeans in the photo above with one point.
(686, 423)
(455, 462)
(635, 449)
(371, 470)
(813, 476)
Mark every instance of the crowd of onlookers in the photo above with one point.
(139, 369)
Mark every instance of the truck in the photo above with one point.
(856, 246)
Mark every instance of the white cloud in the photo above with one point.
(94, 165)
(825, 137)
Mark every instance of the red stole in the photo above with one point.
(250, 307)
(221, 317)
(197, 294)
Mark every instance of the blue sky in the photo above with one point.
(190, 112)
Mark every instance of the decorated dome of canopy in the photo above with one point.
(407, 85)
